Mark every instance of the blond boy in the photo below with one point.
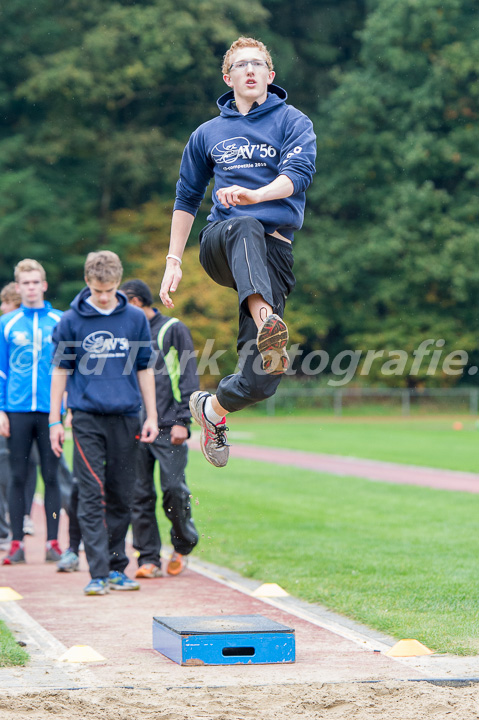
(25, 357)
(103, 349)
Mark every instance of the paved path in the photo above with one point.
(53, 615)
(357, 467)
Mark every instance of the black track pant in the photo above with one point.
(104, 464)
(176, 499)
(24, 428)
(238, 254)
(65, 480)
(74, 530)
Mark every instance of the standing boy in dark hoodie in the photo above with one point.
(176, 379)
(261, 153)
(103, 348)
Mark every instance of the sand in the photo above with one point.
(354, 701)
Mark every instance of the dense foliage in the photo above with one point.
(98, 98)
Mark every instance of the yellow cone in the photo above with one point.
(7, 594)
(81, 653)
(408, 648)
(269, 590)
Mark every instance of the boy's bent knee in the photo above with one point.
(247, 225)
(236, 392)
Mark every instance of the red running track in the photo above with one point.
(358, 467)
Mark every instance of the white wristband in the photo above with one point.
(174, 257)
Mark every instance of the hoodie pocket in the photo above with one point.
(112, 396)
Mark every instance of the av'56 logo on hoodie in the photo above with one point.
(102, 343)
(239, 148)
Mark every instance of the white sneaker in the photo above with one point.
(213, 437)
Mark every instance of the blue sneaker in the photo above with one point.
(119, 581)
(69, 562)
(97, 586)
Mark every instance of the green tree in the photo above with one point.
(96, 102)
(394, 204)
(310, 41)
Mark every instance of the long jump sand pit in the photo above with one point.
(352, 701)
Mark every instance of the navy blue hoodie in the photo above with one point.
(103, 354)
(251, 150)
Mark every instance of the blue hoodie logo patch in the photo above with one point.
(240, 148)
(103, 342)
(227, 151)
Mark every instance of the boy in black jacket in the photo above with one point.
(175, 379)
(102, 352)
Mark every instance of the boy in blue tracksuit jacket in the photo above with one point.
(102, 352)
(261, 153)
(25, 357)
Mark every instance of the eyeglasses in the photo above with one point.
(243, 64)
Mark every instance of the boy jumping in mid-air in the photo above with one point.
(261, 153)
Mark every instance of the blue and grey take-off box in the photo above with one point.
(223, 640)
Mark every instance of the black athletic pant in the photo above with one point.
(6, 481)
(31, 481)
(237, 253)
(74, 530)
(24, 428)
(176, 499)
(65, 480)
(104, 464)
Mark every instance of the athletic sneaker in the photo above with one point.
(149, 570)
(15, 555)
(53, 553)
(176, 564)
(97, 586)
(119, 581)
(28, 526)
(213, 437)
(69, 562)
(271, 340)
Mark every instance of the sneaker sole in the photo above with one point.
(97, 592)
(271, 340)
(176, 571)
(193, 403)
(13, 562)
(72, 569)
(149, 576)
(124, 589)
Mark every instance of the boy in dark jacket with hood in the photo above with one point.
(103, 349)
(261, 153)
(176, 379)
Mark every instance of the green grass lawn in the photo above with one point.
(10, 651)
(427, 441)
(401, 559)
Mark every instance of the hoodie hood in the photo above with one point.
(276, 96)
(250, 150)
(84, 308)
